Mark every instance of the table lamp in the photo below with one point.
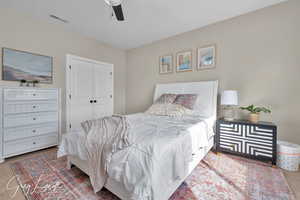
(229, 99)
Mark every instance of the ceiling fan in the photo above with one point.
(117, 8)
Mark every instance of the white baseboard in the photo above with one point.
(1, 160)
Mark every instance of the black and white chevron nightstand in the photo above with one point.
(243, 138)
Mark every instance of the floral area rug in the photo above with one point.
(217, 177)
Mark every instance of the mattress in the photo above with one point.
(200, 131)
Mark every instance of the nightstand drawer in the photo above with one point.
(242, 138)
(244, 146)
(240, 131)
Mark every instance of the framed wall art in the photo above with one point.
(166, 64)
(206, 57)
(20, 65)
(184, 61)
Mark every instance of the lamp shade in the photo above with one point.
(229, 97)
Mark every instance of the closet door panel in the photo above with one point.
(82, 89)
(103, 90)
(103, 109)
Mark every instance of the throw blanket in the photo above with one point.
(104, 137)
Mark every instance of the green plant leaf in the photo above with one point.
(255, 110)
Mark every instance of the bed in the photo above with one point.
(159, 131)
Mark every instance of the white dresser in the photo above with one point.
(30, 120)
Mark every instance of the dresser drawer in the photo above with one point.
(29, 94)
(32, 106)
(30, 144)
(29, 119)
(29, 131)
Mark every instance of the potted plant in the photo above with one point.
(254, 112)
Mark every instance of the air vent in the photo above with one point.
(59, 19)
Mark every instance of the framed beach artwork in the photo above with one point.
(206, 57)
(184, 61)
(166, 64)
(20, 65)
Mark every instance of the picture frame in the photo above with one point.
(206, 57)
(184, 61)
(166, 64)
(20, 65)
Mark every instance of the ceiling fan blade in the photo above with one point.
(118, 12)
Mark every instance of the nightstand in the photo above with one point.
(255, 141)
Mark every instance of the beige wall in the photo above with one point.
(257, 54)
(22, 32)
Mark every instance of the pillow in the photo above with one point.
(160, 105)
(186, 100)
(166, 99)
(176, 110)
(157, 109)
(172, 110)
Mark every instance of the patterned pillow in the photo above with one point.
(166, 99)
(186, 100)
(176, 110)
(157, 109)
(172, 110)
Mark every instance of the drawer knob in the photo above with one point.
(33, 143)
(34, 118)
(33, 94)
(33, 106)
(33, 131)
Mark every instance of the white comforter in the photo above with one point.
(161, 151)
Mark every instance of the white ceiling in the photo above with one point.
(146, 20)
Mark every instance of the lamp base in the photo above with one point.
(229, 113)
(228, 119)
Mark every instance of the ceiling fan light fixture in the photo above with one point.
(113, 2)
(116, 7)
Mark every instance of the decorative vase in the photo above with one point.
(253, 117)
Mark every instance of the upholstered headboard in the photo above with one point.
(206, 104)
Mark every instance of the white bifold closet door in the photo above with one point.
(103, 91)
(89, 91)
